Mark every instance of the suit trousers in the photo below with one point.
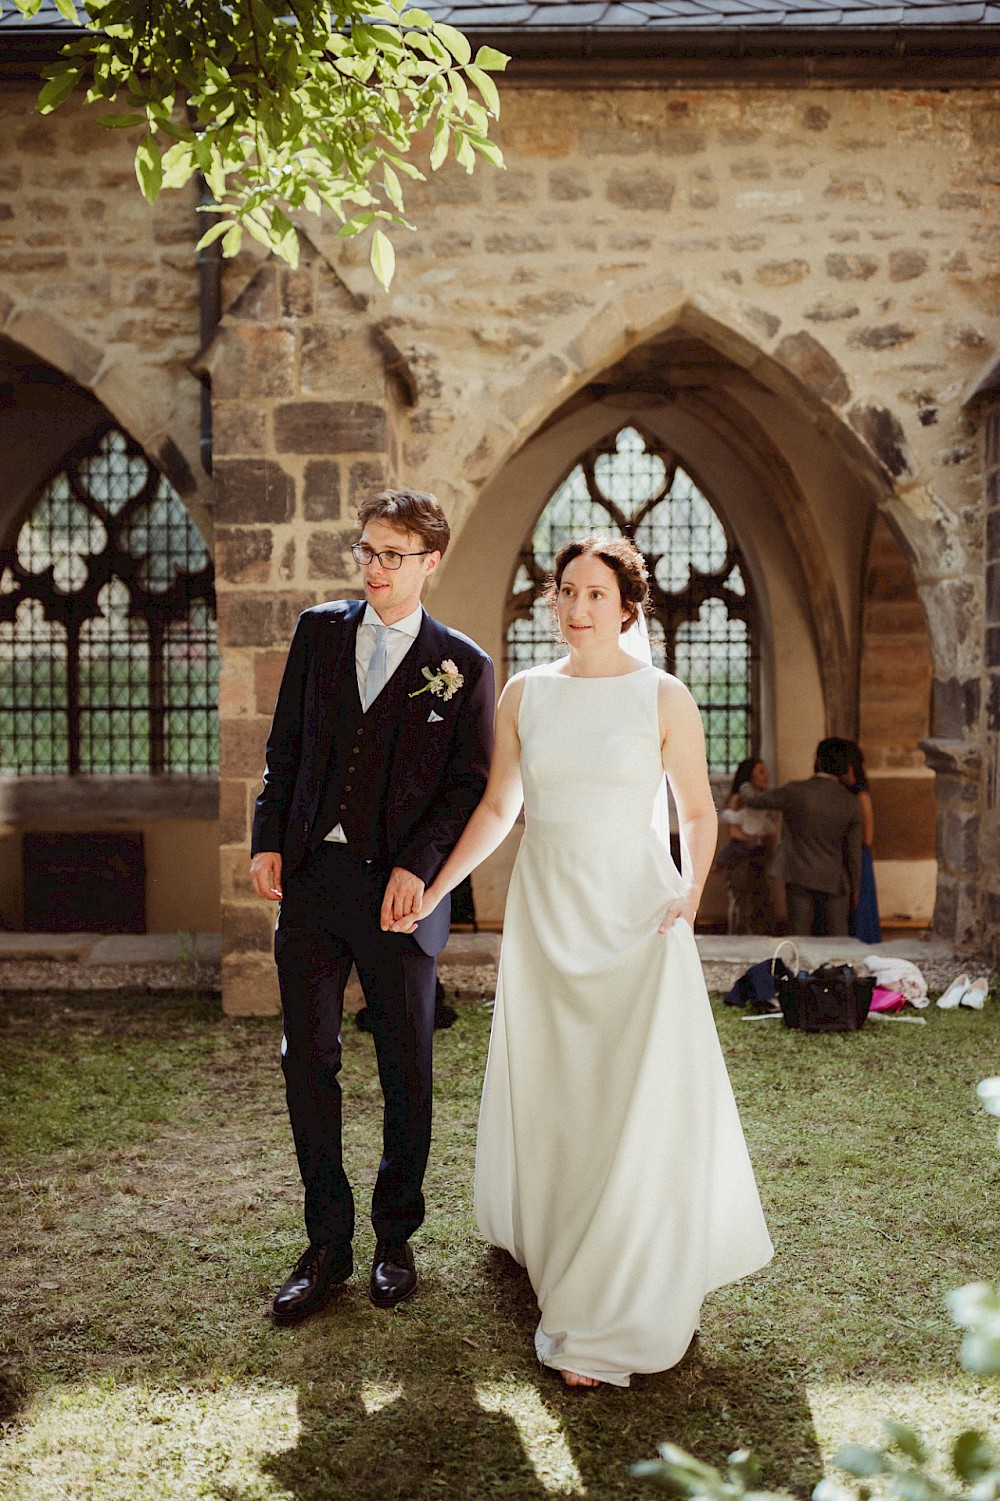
(329, 918)
(817, 914)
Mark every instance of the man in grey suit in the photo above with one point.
(822, 842)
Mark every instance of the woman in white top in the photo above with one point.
(753, 833)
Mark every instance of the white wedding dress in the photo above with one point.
(610, 1160)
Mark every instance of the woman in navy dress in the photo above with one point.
(864, 920)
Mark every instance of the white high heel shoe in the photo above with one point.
(952, 997)
(976, 993)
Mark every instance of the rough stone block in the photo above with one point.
(993, 702)
(955, 704)
(993, 488)
(993, 593)
(253, 619)
(321, 490)
(884, 336)
(855, 187)
(249, 490)
(365, 477)
(258, 302)
(248, 927)
(239, 429)
(641, 190)
(321, 427)
(242, 743)
(614, 140)
(267, 670)
(906, 265)
(815, 365)
(993, 646)
(243, 555)
(249, 984)
(884, 435)
(234, 860)
(945, 908)
(329, 556)
(958, 841)
(234, 821)
(782, 273)
(566, 186)
(854, 267)
(253, 362)
(515, 187)
(295, 291)
(46, 337)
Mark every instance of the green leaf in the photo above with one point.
(121, 122)
(456, 43)
(177, 164)
(354, 225)
(459, 92)
(490, 150)
(414, 17)
(486, 87)
(68, 9)
(233, 240)
(148, 168)
(442, 140)
(906, 1441)
(464, 154)
(393, 190)
(59, 87)
(972, 1456)
(383, 258)
(490, 58)
(857, 1460)
(28, 8)
(215, 233)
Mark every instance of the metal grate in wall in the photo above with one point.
(701, 617)
(108, 653)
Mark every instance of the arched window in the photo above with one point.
(701, 622)
(108, 653)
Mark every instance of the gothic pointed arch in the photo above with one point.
(108, 651)
(702, 620)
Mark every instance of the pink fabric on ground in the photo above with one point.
(887, 1000)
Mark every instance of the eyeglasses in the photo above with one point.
(390, 559)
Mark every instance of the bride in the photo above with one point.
(610, 1160)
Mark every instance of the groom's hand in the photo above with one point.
(403, 898)
(265, 875)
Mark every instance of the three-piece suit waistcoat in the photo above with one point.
(361, 754)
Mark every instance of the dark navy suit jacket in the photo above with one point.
(440, 759)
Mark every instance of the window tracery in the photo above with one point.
(701, 618)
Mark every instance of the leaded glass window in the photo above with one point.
(701, 615)
(108, 655)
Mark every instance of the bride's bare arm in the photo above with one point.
(686, 766)
(493, 819)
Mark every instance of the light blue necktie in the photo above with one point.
(378, 667)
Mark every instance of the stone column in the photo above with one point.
(989, 849)
(300, 423)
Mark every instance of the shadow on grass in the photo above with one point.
(419, 1413)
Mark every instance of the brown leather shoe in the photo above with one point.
(316, 1273)
(394, 1277)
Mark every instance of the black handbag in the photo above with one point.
(833, 998)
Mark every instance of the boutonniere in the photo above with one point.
(444, 683)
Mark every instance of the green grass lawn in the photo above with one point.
(151, 1204)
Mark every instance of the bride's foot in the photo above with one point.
(573, 1378)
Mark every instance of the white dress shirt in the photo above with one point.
(402, 635)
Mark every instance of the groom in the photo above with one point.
(378, 754)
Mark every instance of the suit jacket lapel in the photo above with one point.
(427, 651)
(336, 652)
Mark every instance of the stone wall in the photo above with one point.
(801, 284)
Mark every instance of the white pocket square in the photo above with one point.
(433, 718)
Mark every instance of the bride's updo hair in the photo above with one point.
(620, 555)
